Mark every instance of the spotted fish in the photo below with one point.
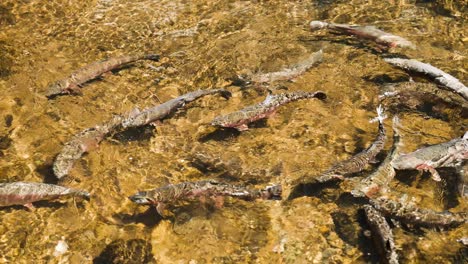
(359, 161)
(75, 81)
(25, 193)
(289, 73)
(241, 118)
(447, 154)
(90, 138)
(81, 143)
(151, 114)
(410, 214)
(378, 181)
(188, 190)
(382, 235)
(438, 75)
(367, 32)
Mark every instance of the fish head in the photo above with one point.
(56, 88)
(142, 198)
(219, 122)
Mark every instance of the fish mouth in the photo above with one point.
(141, 198)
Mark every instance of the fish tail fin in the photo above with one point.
(316, 25)
(381, 116)
(154, 57)
(84, 194)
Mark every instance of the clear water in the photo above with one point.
(203, 44)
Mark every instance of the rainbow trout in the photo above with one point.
(410, 214)
(378, 181)
(426, 98)
(140, 118)
(241, 118)
(25, 193)
(289, 73)
(359, 161)
(81, 143)
(447, 154)
(90, 138)
(366, 32)
(73, 83)
(438, 75)
(382, 235)
(210, 188)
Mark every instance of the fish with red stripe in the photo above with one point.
(73, 83)
(25, 193)
(173, 193)
(240, 119)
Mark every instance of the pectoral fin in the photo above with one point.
(242, 127)
(432, 170)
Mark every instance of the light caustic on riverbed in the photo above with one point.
(206, 45)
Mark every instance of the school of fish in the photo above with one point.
(375, 187)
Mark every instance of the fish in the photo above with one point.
(82, 143)
(359, 161)
(241, 118)
(90, 138)
(25, 193)
(382, 235)
(377, 182)
(426, 98)
(151, 114)
(438, 75)
(287, 74)
(367, 32)
(173, 193)
(447, 154)
(410, 214)
(73, 83)
(462, 178)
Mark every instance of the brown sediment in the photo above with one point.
(382, 235)
(410, 214)
(73, 83)
(22, 193)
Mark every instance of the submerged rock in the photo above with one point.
(132, 251)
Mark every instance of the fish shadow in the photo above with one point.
(314, 189)
(220, 134)
(47, 173)
(223, 133)
(125, 251)
(150, 218)
(143, 133)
